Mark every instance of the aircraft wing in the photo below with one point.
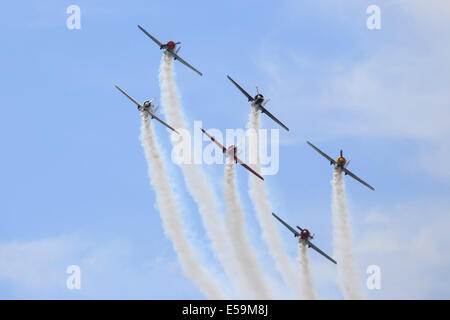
(351, 174)
(264, 110)
(157, 118)
(249, 97)
(151, 37)
(246, 166)
(311, 245)
(322, 153)
(128, 96)
(295, 232)
(177, 57)
(214, 140)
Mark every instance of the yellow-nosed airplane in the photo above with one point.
(341, 163)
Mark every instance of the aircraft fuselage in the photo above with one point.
(170, 46)
(234, 150)
(259, 99)
(147, 108)
(305, 235)
(341, 161)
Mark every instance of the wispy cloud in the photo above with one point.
(110, 269)
(409, 243)
(396, 88)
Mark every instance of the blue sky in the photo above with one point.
(74, 181)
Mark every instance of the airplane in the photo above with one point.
(234, 149)
(147, 109)
(341, 163)
(170, 48)
(303, 237)
(259, 102)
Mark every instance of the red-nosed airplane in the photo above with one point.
(171, 48)
(233, 148)
(341, 163)
(258, 102)
(147, 108)
(303, 237)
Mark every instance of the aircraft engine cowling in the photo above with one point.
(341, 161)
(170, 45)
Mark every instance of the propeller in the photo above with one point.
(238, 149)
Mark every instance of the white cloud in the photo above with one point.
(397, 88)
(402, 89)
(35, 263)
(112, 269)
(410, 244)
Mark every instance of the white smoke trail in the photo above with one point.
(170, 215)
(236, 228)
(343, 241)
(197, 184)
(258, 194)
(308, 289)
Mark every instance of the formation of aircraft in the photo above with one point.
(259, 102)
(147, 109)
(233, 149)
(171, 48)
(304, 236)
(341, 163)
